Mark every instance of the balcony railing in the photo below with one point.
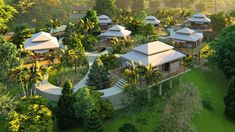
(165, 75)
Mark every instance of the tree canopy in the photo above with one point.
(105, 7)
(8, 58)
(224, 48)
(31, 114)
(229, 100)
(6, 14)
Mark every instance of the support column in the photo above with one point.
(180, 80)
(160, 89)
(171, 83)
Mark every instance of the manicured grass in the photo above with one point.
(67, 73)
(3, 124)
(216, 84)
(145, 121)
(205, 121)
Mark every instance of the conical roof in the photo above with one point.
(152, 20)
(153, 48)
(41, 36)
(117, 28)
(186, 31)
(187, 34)
(199, 15)
(116, 31)
(154, 53)
(199, 18)
(41, 41)
(103, 17)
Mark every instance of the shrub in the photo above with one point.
(31, 115)
(88, 100)
(179, 110)
(120, 46)
(7, 103)
(110, 61)
(93, 123)
(66, 118)
(98, 76)
(128, 128)
(106, 109)
(207, 101)
(229, 100)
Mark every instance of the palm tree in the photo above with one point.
(36, 74)
(131, 73)
(53, 23)
(21, 76)
(152, 75)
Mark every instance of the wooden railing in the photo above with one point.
(165, 75)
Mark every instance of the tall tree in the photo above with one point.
(6, 14)
(179, 110)
(65, 114)
(9, 60)
(219, 21)
(22, 32)
(105, 7)
(91, 16)
(98, 76)
(229, 100)
(224, 48)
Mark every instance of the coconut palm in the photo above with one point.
(53, 23)
(36, 75)
(131, 73)
(20, 75)
(152, 74)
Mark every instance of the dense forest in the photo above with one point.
(37, 13)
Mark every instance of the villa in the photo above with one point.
(58, 31)
(159, 55)
(116, 31)
(41, 43)
(187, 41)
(105, 22)
(199, 22)
(152, 20)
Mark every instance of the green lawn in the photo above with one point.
(67, 73)
(215, 83)
(205, 121)
(3, 124)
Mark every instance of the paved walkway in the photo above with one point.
(47, 88)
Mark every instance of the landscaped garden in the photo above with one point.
(58, 76)
(117, 66)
